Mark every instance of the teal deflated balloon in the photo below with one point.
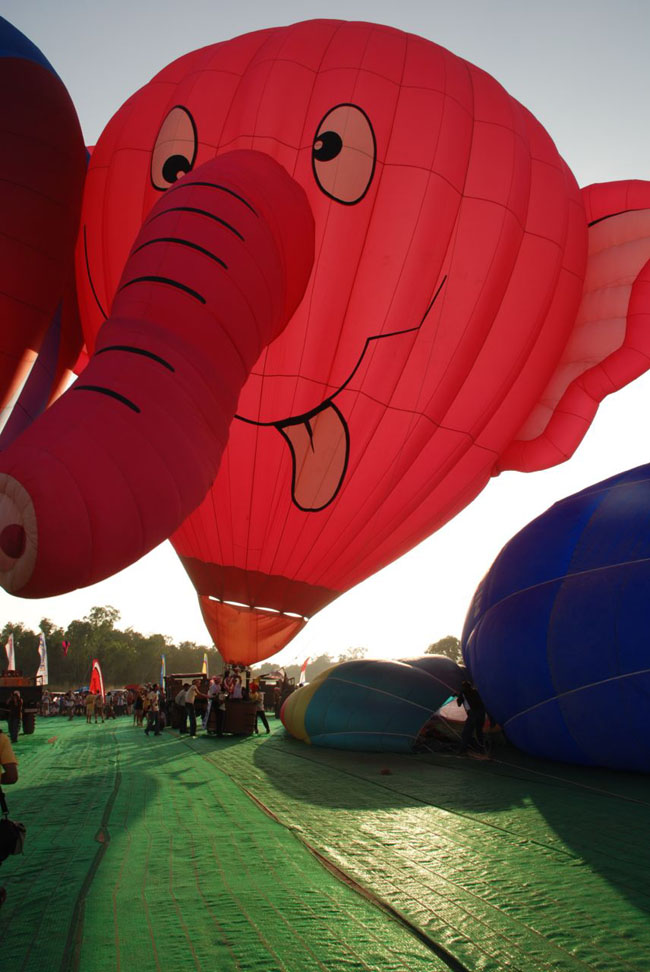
(371, 705)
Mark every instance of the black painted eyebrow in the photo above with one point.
(181, 242)
(201, 212)
(109, 392)
(132, 350)
(168, 281)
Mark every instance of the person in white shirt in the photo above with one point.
(213, 690)
(191, 695)
(258, 698)
(153, 712)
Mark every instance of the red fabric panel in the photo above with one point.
(42, 168)
(246, 636)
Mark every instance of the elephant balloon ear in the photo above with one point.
(609, 345)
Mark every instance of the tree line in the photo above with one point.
(127, 657)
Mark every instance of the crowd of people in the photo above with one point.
(221, 689)
(75, 703)
(152, 711)
(150, 708)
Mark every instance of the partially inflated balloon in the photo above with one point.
(42, 169)
(371, 705)
(466, 308)
(556, 637)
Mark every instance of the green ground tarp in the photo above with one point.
(168, 853)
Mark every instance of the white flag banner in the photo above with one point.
(11, 656)
(42, 676)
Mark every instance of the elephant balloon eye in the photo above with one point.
(344, 154)
(175, 148)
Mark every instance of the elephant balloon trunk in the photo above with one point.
(216, 272)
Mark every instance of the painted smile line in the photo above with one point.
(319, 440)
(306, 416)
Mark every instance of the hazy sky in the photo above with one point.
(582, 67)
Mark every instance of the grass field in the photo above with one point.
(263, 854)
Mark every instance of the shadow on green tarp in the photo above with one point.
(599, 817)
(141, 855)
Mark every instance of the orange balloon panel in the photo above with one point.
(247, 635)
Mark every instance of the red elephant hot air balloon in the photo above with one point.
(461, 308)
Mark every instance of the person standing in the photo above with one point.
(258, 698)
(8, 761)
(213, 691)
(109, 710)
(14, 714)
(221, 709)
(138, 709)
(181, 712)
(99, 707)
(8, 775)
(153, 721)
(191, 694)
(472, 735)
(90, 706)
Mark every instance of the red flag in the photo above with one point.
(303, 671)
(66, 647)
(96, 680)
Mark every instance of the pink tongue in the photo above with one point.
(319, 448)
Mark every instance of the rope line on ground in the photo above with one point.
(70, 961)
